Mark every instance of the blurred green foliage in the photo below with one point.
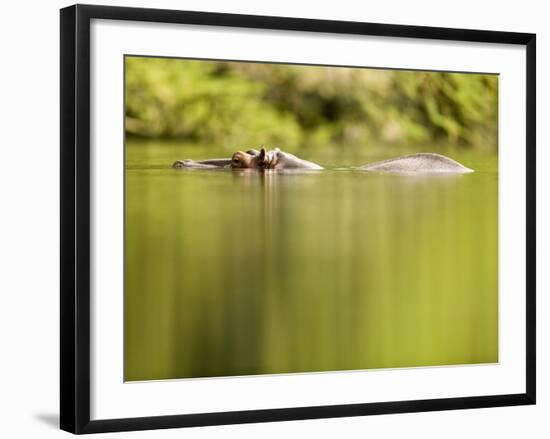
(237, 104)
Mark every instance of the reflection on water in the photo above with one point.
(239, 273)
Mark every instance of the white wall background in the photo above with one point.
(29, 206)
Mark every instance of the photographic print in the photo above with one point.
(267, 219)
(298, 218)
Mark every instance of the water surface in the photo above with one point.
(242, 272)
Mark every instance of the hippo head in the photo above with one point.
(251, 159)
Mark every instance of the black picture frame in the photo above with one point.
(75, 217)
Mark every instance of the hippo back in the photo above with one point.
(418, 163)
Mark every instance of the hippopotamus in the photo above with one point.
(420, 163)
(424, 162)
(252, 159)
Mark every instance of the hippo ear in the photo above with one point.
(262, 153)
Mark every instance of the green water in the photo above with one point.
(242, 273)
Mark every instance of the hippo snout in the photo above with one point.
(178, 164)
